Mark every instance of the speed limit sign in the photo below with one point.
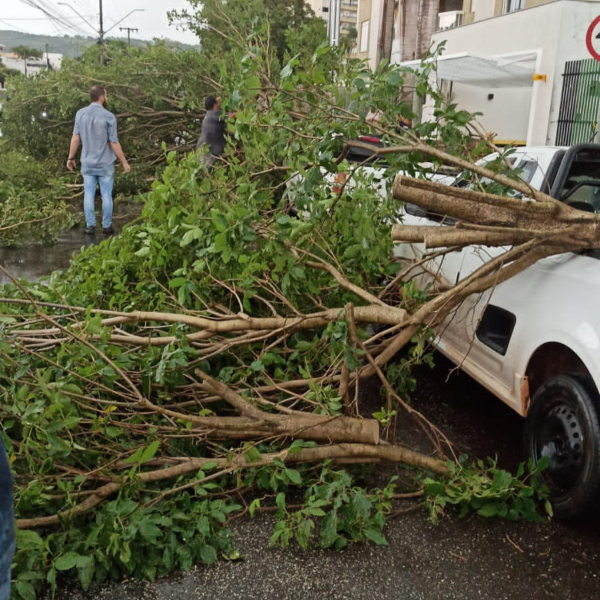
(592, 38)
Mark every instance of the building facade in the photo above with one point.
(401, 30)
(526, 66)
(342, 19)
(320, 8)
(478, 10)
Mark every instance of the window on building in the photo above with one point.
(512, 5)
(364, 36)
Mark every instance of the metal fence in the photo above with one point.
(580, 102)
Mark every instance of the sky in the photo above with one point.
(18, 15)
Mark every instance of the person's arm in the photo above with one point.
(113, 140)
(73, 147)
(116, 147)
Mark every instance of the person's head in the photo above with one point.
(98, 94)
(212, 103)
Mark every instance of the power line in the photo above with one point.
(41, 18)
(7, 23)
(56, 18)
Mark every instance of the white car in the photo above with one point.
(534, 341)
(361, 160)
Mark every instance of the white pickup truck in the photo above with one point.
(534, 341)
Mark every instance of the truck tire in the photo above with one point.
(563, 424)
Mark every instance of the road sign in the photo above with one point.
(592, 38)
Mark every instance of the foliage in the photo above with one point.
(5, 74)
(30, 204)
(490, 491)
(345, 513)
(126, 539)
(120, 410)
(26, 51)
(216, 22)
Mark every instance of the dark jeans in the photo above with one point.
(7, 524)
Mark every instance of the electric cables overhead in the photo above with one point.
(53, 14)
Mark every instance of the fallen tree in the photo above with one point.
(178, 374)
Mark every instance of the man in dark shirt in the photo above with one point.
(7, 524)
(213, 131)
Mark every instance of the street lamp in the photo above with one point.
(79, 15)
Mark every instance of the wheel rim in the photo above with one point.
(560, 438)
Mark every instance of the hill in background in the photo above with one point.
(70, 46)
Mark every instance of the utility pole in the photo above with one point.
(101, 32)
(129, 30)
(47, 58)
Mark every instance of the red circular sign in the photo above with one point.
(589, 39)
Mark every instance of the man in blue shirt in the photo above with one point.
(7, 524)
(96, 129)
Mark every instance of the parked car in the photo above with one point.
(534, 340)
(364, 160)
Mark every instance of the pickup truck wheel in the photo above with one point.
(563, 425)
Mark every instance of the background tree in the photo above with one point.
(215, 22)
(26, 51)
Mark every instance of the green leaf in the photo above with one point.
(252, 454)
(253, 506)
(287, 70)
(85, 573)
(375, 536)
(329, 532)
(208, 554)
(25, 590)
(253, 83)
(502, 480)
(294, 476)
(489, 510)
(149, 452)
(149, 531)
(69, 560)
(27, 539)
(280, 500)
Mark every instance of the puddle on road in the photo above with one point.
(34, 261)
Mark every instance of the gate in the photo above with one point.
(579, 103)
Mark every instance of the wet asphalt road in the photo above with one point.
(473, 558)
(33, 261)
(455, 560)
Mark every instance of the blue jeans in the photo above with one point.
(105, 177)
(7, 525)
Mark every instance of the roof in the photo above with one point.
(507, 70)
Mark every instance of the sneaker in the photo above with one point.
(108, 230)
(89, 230)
